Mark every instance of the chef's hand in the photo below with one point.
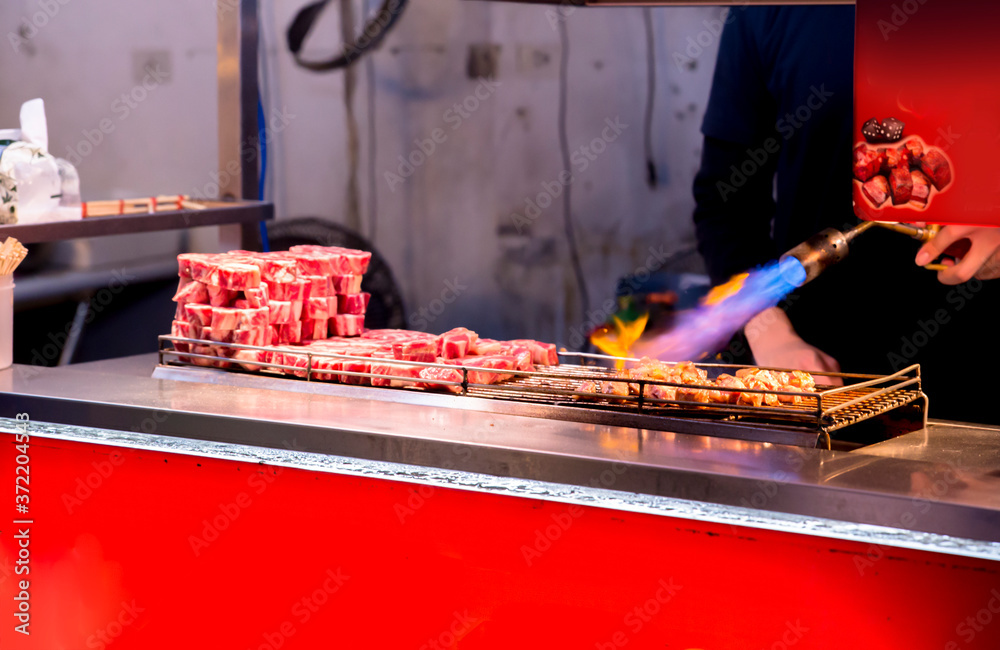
(982, 261)
(775, 344)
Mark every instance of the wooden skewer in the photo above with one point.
(11, 254)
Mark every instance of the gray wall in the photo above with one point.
(450, 221)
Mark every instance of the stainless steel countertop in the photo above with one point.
(943, 480)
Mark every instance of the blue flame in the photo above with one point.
(708, 328)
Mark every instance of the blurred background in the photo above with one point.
(473, 231)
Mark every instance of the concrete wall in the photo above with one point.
(448, 221)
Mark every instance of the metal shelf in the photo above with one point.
(217, 213)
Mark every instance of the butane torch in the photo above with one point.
(806, 261)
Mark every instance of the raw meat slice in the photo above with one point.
(279, 312)
(219, 297)
(225, 318)
(250, 359)
(395, 335)
(314, 329)
(257, 297)
(347, 324)
(200, 315)
(921, 187)
(429, 375)
(197, 266)
(877, 190)
(191, 291)
(317, 309)
(901, 185)
(203, 350)
(397, 375)
(424, 350)
(184, 330)
(296, 309)
(236, 277)
(290, 332)
(456, 343)
(346, 284)
(936, 166)
(241, 304)
(319, 286)
(180, 313)
(345, 260)
(354, 303)
(296, 290)
(486, 347)
(480, 368)
(522, 355)
(543, 354)
(866, 163)
(357, 365)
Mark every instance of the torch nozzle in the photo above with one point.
(821, 251)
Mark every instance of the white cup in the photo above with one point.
(6, 321)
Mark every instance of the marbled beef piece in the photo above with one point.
(921, 187)
(354, 303)
(866, 163)
(347, 324)
(900, 185)
(936, 167)
(543, 354)
(877, 190)
(191, 291)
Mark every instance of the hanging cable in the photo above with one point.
(353, 217)
(652, 177)
(371, 36)
(574, 254)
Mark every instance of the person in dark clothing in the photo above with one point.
(776, 169)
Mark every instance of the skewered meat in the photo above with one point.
(694, 385)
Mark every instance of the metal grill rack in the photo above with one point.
(555, 391)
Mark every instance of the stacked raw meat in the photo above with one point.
(308, 300)
(397, 355)
(264, 299)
